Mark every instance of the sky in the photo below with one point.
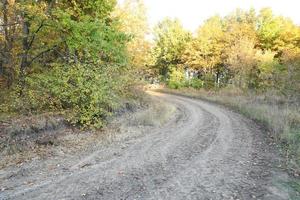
(193, 12)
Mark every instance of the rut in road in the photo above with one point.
(203, 152)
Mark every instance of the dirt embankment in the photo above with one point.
(178, 149)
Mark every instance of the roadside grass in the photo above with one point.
(280, 117)
(157, 113)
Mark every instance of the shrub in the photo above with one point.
(196, 83)
(86, 94)
(177, 79)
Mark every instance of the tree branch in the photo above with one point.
(42, 53)
(35, 33)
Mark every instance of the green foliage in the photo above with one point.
(99, 9)
(177, 79)
(205, 52)
(196, 83)
(170, 43)
(269, 28)
(87, 93)
(89, 36)
(74, 59)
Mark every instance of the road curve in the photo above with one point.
(203, 152)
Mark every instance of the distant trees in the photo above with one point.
(249, 50)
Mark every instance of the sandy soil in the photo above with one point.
(202, 151)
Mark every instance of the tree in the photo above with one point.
(240, 40)
(276, 33)
(268, 66)
(170, 40)
(204, 53)
(8, 34)
(242, 63)
(133, 21)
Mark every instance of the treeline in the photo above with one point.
(245, 49)
(68, 56)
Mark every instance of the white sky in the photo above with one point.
(193, 12)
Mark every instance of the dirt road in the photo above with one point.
(203, 151)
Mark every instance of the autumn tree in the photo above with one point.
(240, 40)
(242, 64)
(170, 39)
(204, 52)
(133, 21)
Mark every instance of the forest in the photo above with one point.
(244, 49)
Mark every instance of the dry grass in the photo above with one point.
(157, 113)
(280, 116)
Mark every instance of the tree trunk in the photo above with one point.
(25, 48)
(6, 62)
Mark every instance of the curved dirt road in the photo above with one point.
(203, 152)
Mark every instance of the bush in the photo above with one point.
(86, 94)
(177, 79)
(196, 83)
